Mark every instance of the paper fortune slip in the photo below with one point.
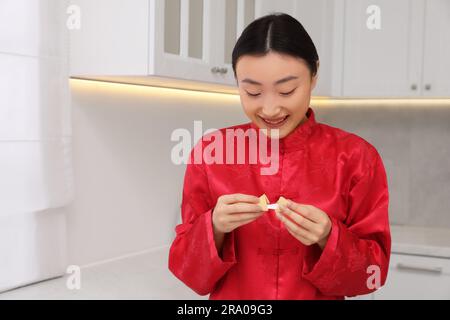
(265, 205)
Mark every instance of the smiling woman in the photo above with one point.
(275, 104)
(275, 64)
(330, 238)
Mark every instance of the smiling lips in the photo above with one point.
(275, 122)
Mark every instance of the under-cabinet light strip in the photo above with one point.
(316, 100)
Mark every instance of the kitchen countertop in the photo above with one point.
(424, 241)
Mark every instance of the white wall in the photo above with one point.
(35, 140)
(127, 191)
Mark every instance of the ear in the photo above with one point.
(314, 79)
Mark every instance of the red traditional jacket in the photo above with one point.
(336, 171)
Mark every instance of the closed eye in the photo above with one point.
(252, 94)
(288, 93)
(282, 93)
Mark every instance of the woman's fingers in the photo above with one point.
(297, 230)
(233, 210)
(307, 211)
(239, 217)
(239, 197)
(297, 218)
(242, 207)
(303, 240)
(243, 222)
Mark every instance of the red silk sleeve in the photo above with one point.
(193, 257)
(357, 245)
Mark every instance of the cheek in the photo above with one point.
(303, 92)
(295, 104)
(250, 107)
(299, 99)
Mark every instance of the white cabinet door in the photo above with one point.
(239, 13)
(324, 21)
(182, 44)
(416, 277)
(233, 16)
(137, 38)
(112, 39)
(193, 40)
(436, 79)
(264, 7)
(384, 62)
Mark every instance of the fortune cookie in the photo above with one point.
(263, 201)
(282, 200)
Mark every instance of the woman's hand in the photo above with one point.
(306, 223)
(235, 210)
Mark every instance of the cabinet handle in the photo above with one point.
(223, 70)
(414, 87)
(215, 70)
(428, 87)
(402, 266)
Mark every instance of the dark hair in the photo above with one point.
(277, 32)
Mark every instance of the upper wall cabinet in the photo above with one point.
(382, 48)
(396, 48)
(174, 41)
(112, 39)
(436, 62)
(324, 21)
(376, 48)
(367, 48)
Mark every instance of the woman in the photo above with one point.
(332, 238)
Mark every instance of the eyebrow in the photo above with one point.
(285, 79)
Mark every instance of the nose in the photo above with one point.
(270, 111)
(271, 107)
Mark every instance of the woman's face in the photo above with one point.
(275, 90)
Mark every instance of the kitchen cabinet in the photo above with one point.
(144, 37)
(416, 277)
(406, 57)
(324, 21)
(188, 43)
(176, 41)
(436, 63)
(173, 43)
(236, 15)
(385, 61)
(113, 38)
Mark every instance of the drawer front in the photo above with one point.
(416, 277)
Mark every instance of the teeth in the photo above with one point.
(275, 122)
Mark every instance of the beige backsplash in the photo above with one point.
(128, 192)
(414, 142)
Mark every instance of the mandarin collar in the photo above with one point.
(297, 138)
